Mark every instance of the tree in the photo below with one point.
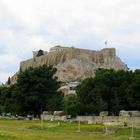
(133, 92)
(7, 100)
(40, 53)
(9, 81)
(70, 102)
(108, 90)
(37, 91)
(91, 101)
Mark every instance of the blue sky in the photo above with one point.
(29, 25)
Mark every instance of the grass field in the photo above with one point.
(33, 130)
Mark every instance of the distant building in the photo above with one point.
(69, 88)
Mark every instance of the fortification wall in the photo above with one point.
(73, 63)
(59, 57)
(26, 64)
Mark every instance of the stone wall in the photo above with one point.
(53, 118)
(59, 57)
(107, 120)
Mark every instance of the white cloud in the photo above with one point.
(94, 15)
(4, 76)
(6, 61)
(27, 25)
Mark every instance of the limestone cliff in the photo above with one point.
(74, 63)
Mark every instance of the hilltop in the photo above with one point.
(74, 64)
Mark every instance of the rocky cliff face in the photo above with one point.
(73, 63)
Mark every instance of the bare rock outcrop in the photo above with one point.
(74, 63)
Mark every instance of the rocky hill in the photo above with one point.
(74, 63)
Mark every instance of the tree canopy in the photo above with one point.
(35, 91)
(111, 91)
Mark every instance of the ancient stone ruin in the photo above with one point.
(74, 64)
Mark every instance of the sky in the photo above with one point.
(30, 25)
